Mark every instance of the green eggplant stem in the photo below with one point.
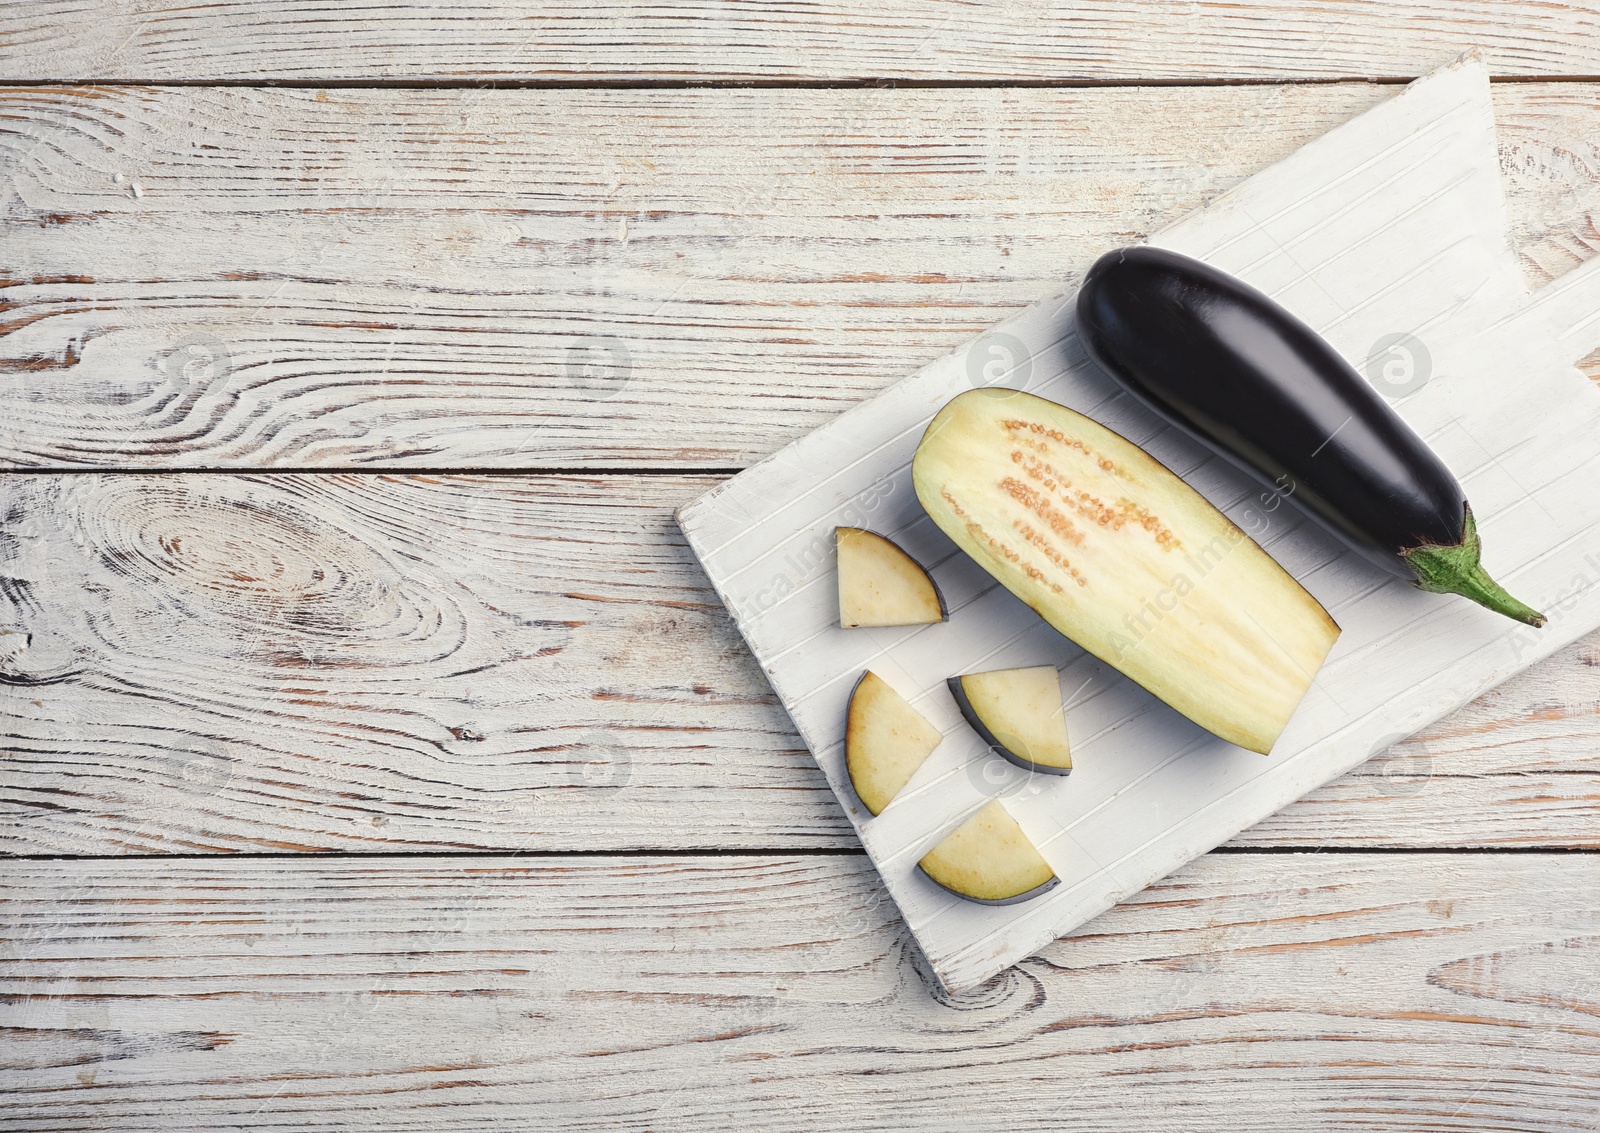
(1456, 570)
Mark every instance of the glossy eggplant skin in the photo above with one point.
(1225, 362)
(1230, 366)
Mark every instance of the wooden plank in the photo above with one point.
(203, 663)
(595, 278)
(355, 661)
(563, 42)
(1357, 992)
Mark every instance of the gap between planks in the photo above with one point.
(747, 84)
(381, 470)
(742, 84)
(753, 852)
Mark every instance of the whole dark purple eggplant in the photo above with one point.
(1230, 366)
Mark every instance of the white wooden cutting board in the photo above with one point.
(1390, 227)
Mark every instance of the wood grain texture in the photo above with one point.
(307, 662)
(1313, 992)
(199, 663)
(568, 41)
(596, 278)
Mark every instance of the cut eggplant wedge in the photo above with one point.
(881, 585)
(1019, 714)
(988, 859)
(885, 741)
(1124, 558)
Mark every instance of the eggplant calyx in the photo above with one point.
(1455, 569)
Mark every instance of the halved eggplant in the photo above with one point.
(1124, 558)
(1019, 714)
(881, 585)
(988, 859)
(885, 741)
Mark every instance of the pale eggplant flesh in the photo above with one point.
(1120, 555)
(1019, 714)
(988, 859)
(881, 585)
(1233, 368)
(885, 741)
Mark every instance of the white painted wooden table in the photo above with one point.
(375, 756)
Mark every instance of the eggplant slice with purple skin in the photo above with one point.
(988, 859)
(1019, 714)
(885, 741)
(1228, 365)
(881, 585)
